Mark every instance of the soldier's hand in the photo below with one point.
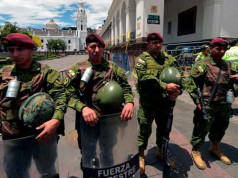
(89, 116)
(199, 106)
(49, 130)
(234, 77)
(173, 95)
(127, 112)
(172, 87)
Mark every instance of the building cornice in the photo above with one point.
(211, 2)
(111, 13)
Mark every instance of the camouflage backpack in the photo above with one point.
(36, 110)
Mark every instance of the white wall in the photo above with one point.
(140, 27)
(74, 44)
(143, 9)
(171, 10)
(159, 4)
(229, 20)
(214, 18)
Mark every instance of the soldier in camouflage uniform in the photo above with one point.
(214, 78)
(103, 71)
(34, 77)
(204, 53)
(155, 95)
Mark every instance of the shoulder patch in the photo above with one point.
(43, 66)
(140, 61)
(70, 73)
(200, 69)
(7, 68)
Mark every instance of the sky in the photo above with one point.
(36, 13)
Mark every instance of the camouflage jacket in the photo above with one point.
(37, 78)
(72, 82)
(204, 75)
(148, 69)
(200, 56)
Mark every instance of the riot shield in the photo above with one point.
(109, 149)
(27, 158)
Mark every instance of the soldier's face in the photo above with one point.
(21, 56)
(154, 46)
(206, 51)
(95, 52)
(217, 52)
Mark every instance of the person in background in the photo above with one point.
(232, 53)
(155, 95)
(213, 77)
(33, 77)
(204, 53)
(232, 56)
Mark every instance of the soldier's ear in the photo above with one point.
(86, 49)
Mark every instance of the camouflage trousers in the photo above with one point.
(216, 125)
(146, 115)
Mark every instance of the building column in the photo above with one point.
(116, 29)
(130, 19)
(212, 18)
(113, 32)
(120, 28)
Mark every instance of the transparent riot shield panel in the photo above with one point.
(27, 158)
(109, 149)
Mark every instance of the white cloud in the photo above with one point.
(39, 12)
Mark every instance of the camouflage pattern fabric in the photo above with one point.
(218, 110)
(200, 56)
(216, 125)
(199, 73)
(36, 79)
(36, 110)
(154, 101)
(72, 83)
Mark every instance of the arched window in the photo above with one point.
(81, 27)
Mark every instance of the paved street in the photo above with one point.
(69, 155)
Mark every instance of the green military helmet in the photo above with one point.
(36, 109)
(171, 75)
(110, 97)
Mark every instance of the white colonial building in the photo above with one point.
(183, 21)
(73, 37)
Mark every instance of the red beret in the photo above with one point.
(19, 39)
(154, 36)
(218, 41)
(93, 37)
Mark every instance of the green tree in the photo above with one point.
(7, 29)
(56, 45)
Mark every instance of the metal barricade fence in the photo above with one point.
(185, 55)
